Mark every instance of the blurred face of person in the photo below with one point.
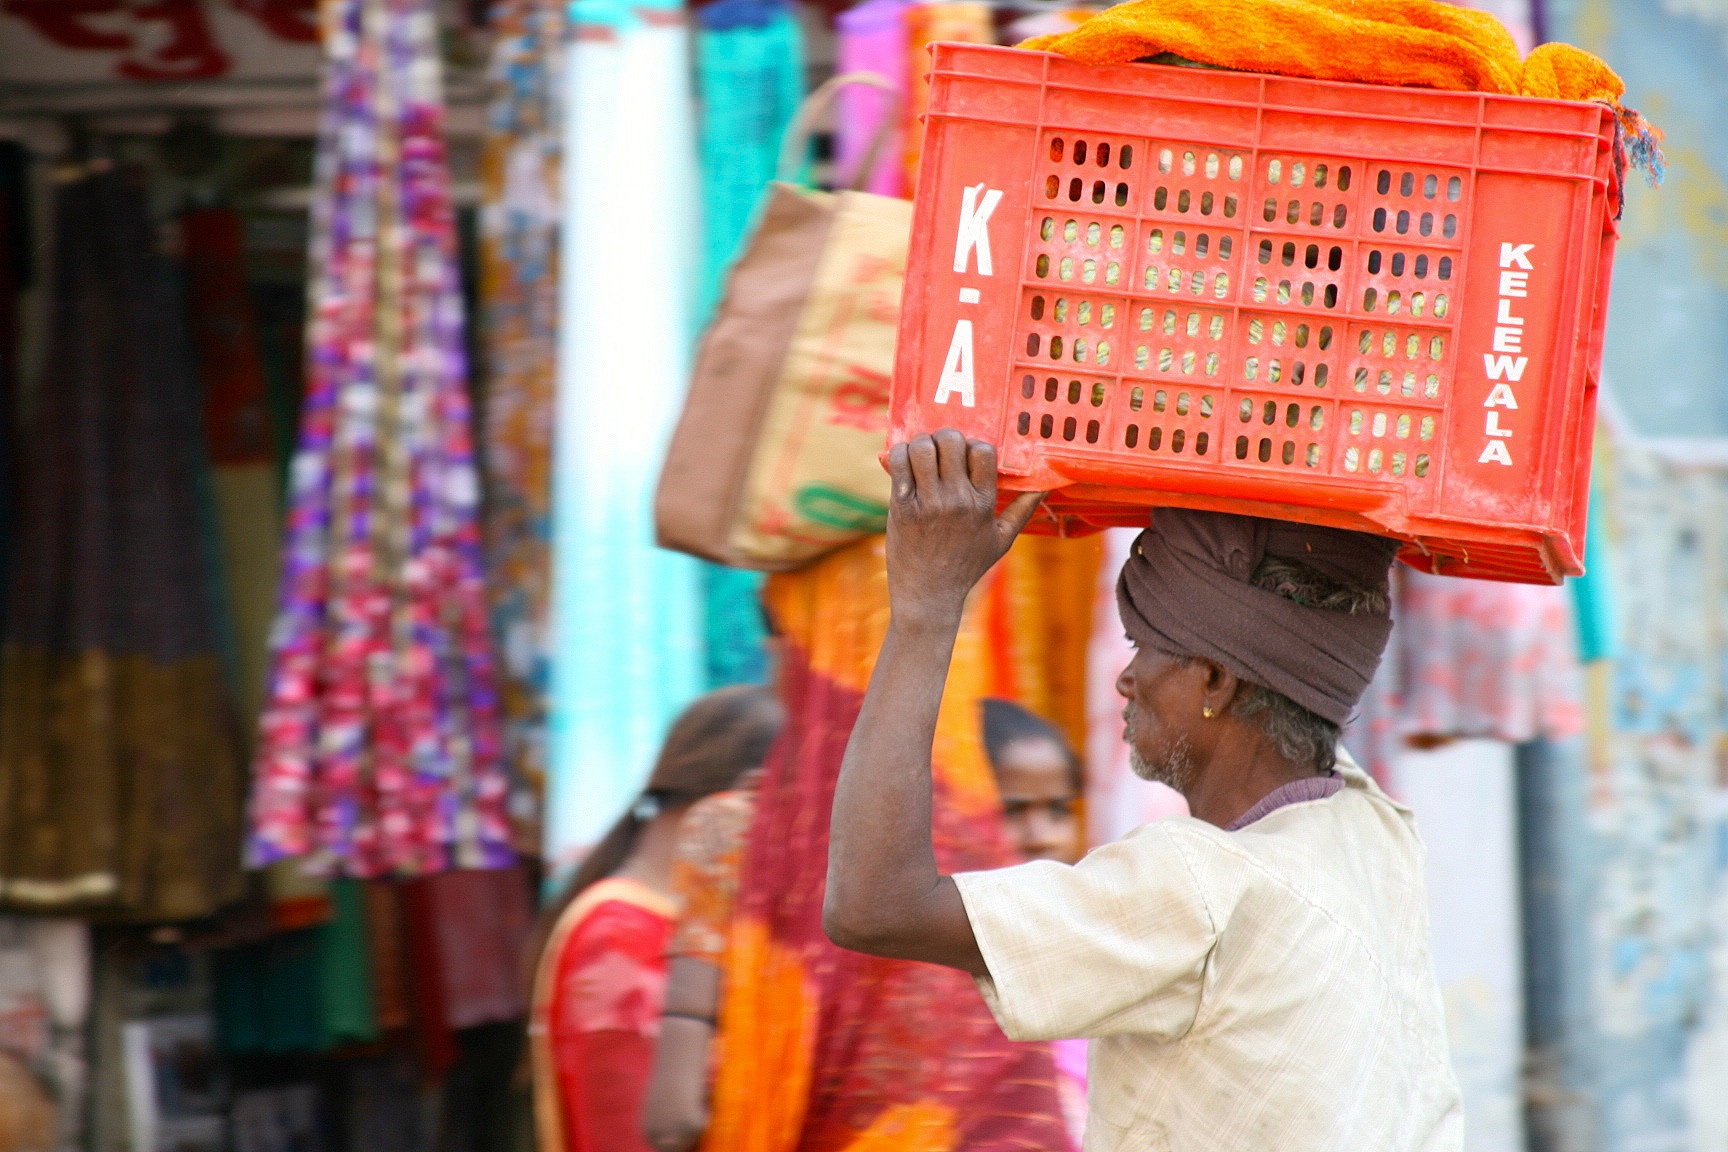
(1037, 786)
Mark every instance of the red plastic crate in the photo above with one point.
(1375, 308)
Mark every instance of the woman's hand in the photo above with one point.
(943, 531)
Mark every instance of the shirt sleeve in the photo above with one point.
(706, 864)
(1115, 944)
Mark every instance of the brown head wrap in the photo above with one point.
(1185, 590)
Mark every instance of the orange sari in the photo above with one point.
(822, 1050)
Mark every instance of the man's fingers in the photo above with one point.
(981, 467)
(922, 452)
(950, 454)
(1017, 514)
(900, 472)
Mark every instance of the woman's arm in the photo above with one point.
(675, 1114)
(885, 895)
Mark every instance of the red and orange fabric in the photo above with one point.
(1038, 622)
(963, 21)
(823, 1050)
(596, 1016)
(707, 866)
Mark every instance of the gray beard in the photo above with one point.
(1175, 770)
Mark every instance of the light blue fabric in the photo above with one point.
(750, 67)
(626, 615)
(732, 629)
(752, 80)
(1593, 595)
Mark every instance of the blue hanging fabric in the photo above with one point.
(750, 66)
(519, 287)
(750, 63)
(626, 625)
(1593, 594)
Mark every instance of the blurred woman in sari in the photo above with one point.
(773, 1039)
(1038, 778)
(602, 974)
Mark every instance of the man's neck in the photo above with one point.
(1231, 785)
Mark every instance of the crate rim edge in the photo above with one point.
(946, 47)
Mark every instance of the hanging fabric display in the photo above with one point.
(962, 21)
(380, 749)
(1593, 602)
(872, 38)
(627, 647)
(750, 71)
(519, 284)
(238, 431)
(826, 1049)
(119, 782)
(1471, 658)
(17, 257)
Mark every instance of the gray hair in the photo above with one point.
(1299, 735)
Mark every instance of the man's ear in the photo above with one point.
(1219, 687)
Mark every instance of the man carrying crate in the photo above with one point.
(1256, 976)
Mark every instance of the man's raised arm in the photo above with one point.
(885, 895)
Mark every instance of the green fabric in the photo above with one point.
(752, 80)
(732, 633)
(268, 996)
(305, 991)
(281, 349)
(344, 967)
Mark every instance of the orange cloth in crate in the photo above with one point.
(1405, 43)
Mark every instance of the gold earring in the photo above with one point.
(1206, 711)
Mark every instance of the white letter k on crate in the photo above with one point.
(974, 227)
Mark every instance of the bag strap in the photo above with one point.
(797, 139)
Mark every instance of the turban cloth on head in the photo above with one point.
(1185, 590)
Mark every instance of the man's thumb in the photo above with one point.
(1017, 514)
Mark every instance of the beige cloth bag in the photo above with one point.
(774, 460)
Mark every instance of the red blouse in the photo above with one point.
(597, 1006)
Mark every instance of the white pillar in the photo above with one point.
(1464, 795)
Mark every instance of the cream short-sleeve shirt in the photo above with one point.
(1265, 989)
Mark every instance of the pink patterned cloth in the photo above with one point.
(1471, 658)
(380, 746)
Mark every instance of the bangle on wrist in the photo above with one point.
(708, 1020)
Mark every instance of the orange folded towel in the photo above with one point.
(1412, 43)
(1406, 43)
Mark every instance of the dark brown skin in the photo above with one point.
(885, 894)
(1231, 765)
